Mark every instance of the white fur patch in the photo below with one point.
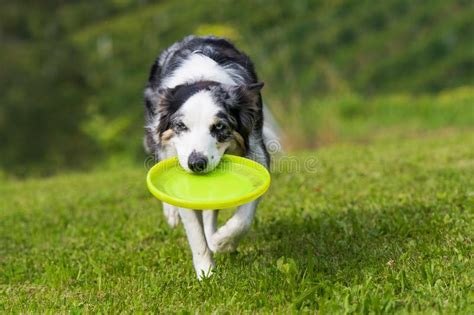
(200, 68)
(198, 113)
(198, 109)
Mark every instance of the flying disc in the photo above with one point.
(235, 181)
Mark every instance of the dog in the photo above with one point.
(202, 100)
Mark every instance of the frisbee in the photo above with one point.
(235, 181)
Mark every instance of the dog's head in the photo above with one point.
(201, 121)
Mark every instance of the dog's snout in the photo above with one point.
(197, 162)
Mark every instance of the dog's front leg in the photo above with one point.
(171, 214)
(228, 236)
(202, 255)
(210, 225)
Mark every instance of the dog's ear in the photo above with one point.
(151, 103)
(164, 107)
(157, 100)
(151, 109)
(151, 92)
(246, 104)
(157, 115)
(249, 93)
(255, 86)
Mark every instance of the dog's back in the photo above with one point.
(193, 50)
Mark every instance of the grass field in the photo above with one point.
(373, 228)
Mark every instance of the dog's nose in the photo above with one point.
(197, 162)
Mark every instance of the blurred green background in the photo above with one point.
(72, 73)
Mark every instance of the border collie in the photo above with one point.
(202, 100)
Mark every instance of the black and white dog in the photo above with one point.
(203, 100)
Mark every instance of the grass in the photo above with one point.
(352, 118)
(368, 229)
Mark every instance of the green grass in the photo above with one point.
(352, 118)
(386, 227)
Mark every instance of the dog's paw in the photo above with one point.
(223, 243)
(204, 269)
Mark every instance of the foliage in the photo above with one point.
(44, 88)
(370, 229)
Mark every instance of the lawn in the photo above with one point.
(385, 227)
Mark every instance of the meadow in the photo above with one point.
(379, 225)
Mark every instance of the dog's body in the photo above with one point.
(203, 100)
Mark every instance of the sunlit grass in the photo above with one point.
(351, 118)
(386, 227)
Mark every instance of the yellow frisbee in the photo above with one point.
(235, 181)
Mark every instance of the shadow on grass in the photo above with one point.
(353, 242)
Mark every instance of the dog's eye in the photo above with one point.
(180, 126)
(219, 126)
